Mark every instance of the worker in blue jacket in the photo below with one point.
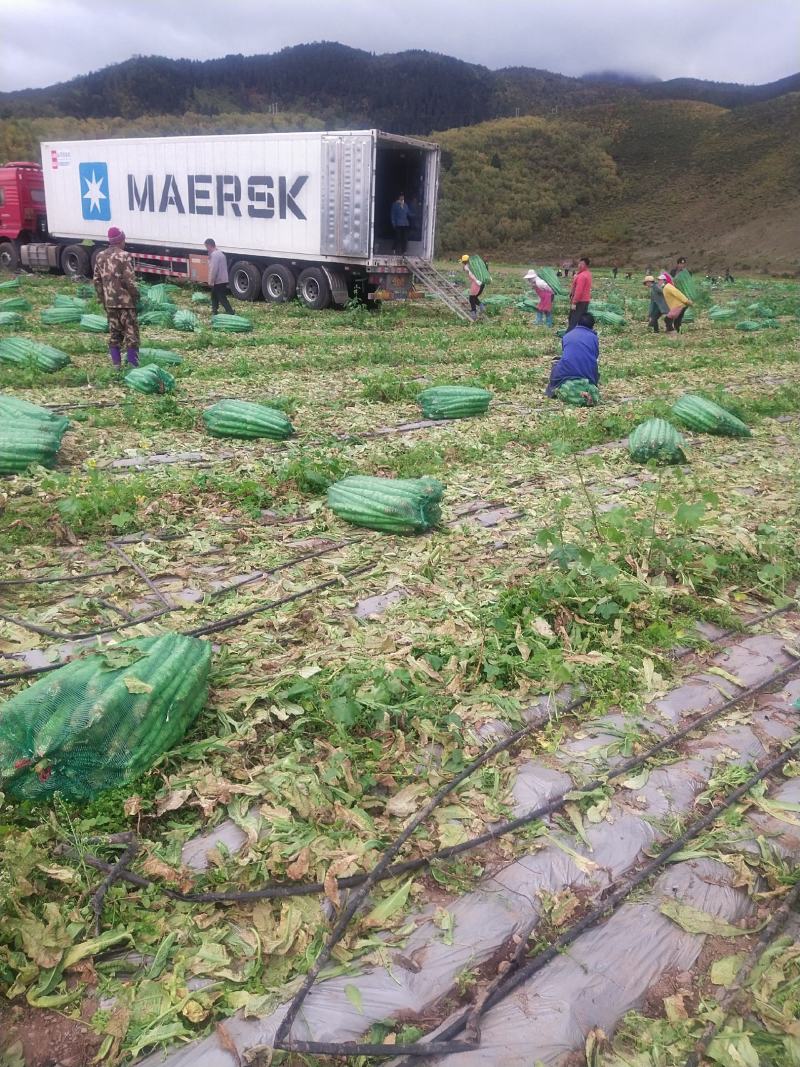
(401, 220)
(580, 355)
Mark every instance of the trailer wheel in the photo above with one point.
(313, 289)
(9, 256)
(278, 284)
(75, 261)
(245, 280)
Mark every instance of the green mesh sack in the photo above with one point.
(748, 325)
(758, 310)
(246, 420)
(25, 352)
(704, 416)
(608, 318)
(86, 292)
(547, 274)
(162, 356)
(101, 720)
(528, 303)
(720, 314)
(231, 323)
(684, 281)
(152, 296)
(13, 283)
(656, 439)
(150, 379)
(771, 324)
(186, 321)
(453, 401)
(60, 316)
(479, 269)
(64, 300)
(499, 300)
(27, 443)
(391, 505)
(10, 318)
(579, 393)
(13, 410)
(162, 316)
(16, 303)
(94, 323)
(201, 298)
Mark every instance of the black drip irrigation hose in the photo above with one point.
(603, 910)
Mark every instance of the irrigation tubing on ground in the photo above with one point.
(612, 901)
(727, 1000)
(282, 889)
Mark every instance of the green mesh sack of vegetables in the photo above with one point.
(391, 505)
(186, 321)
(608, 318)
(60, 316)
(688, 315)
(246, 420)
(12, 283)
(103, 719)
(26, 443)
(528, 303)
(760, 311)
(94, 323)
(86, 292)
(748, 325)
(231, 323)
(14, 410)
(720, 314)
(704, 416)
(162, 316)
(10, 318)
(15, 303)
(161, 356)
(579, 393)
(479, 269)
(25, 352)
(201, 298)
(771, 324)
(152, 296)
(548, 275)
(64, 300)
(453, 401)
(684, 281)
(656, 439)
(150, 379)
(499, 300)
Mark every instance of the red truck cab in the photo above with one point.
(23, 216)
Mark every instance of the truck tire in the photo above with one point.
(313, 289)
(244, 279)
(278, 284)
(9, 256)
(75, 261)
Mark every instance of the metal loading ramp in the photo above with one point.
(432, 281)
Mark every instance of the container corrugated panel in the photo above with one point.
(346, 191)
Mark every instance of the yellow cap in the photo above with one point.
(465, 259)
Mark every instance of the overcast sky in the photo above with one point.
(752, 41)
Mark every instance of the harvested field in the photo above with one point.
(615, 645)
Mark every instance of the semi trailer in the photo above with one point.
(297, 214)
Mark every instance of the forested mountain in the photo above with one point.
(404, 92)
(534, 164)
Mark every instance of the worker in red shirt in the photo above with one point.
(581, 292)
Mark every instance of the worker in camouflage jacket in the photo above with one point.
(115, 284)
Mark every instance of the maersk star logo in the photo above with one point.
(95, 201)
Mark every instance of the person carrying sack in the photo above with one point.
(677, 303)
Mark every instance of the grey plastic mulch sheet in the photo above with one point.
(604, 974)
(645, 943)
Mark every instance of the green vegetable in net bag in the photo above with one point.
(150, 379)
(579, 393)
(453, 401)
(94, 323)
(391, 505)
(186, 321)
(162, 356)
(103, 719)
(231, 323)
(656, 439)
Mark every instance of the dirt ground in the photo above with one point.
(33, 1037)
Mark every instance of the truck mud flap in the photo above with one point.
(338, 284)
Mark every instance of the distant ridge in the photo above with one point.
(405, 92)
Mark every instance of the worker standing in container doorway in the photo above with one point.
(217, 277)
(401, 220)
(116, 288)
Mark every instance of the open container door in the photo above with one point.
(346, 195)
(405, 165)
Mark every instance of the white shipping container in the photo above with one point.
(303, 196)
